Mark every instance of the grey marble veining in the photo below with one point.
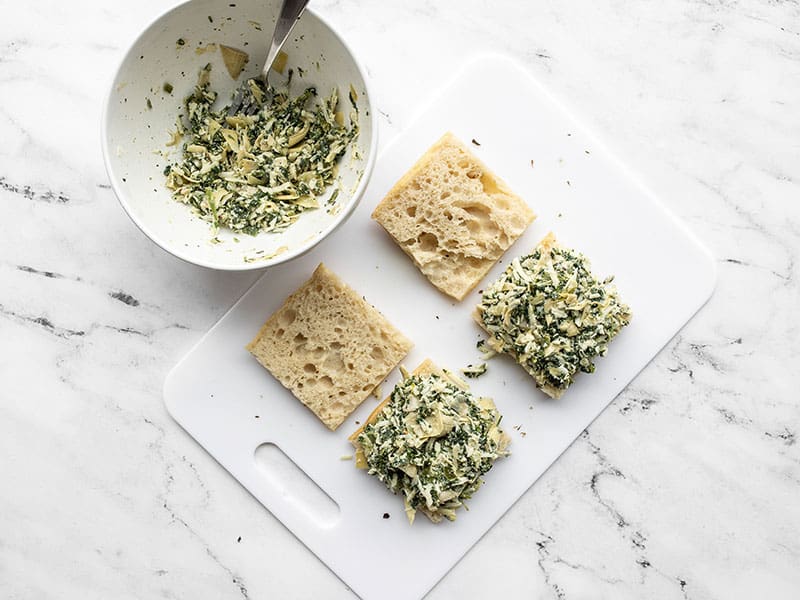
(687, 486)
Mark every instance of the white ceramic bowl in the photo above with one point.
(135, 132)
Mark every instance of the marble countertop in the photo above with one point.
(687, 486)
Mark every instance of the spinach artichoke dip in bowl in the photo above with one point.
(238, 192)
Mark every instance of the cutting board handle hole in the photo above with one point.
(294, 486)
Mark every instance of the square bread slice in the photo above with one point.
(423, 433)
(329, 347)
(552, 314)
(453, 216)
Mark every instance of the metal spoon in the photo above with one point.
(244, 102)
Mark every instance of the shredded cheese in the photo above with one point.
(257, 173)
(549, 312)
(432, 443)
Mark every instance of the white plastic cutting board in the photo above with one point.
(580, 193)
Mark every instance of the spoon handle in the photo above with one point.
(290, 12)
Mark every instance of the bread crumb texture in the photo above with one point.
(329, 347)
(453, 216)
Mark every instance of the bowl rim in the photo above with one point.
(340, 219)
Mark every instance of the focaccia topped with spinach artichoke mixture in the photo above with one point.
(258, 173)
(552, 315)
(431, 440)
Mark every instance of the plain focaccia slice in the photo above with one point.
(453, 216)
(570, 318)
(329, 347)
